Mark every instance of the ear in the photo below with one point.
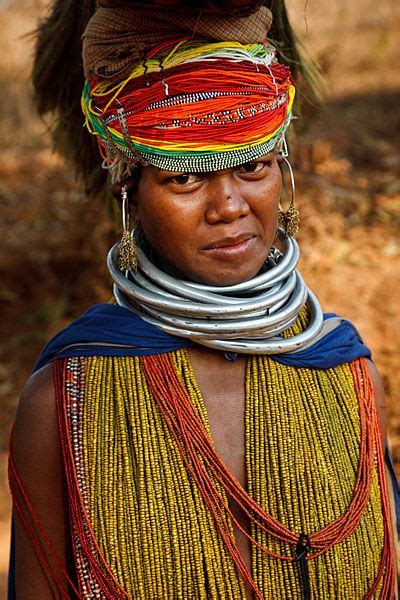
(131, 187)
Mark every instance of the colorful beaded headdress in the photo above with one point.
(191, 105)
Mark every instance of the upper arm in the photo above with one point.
(380, 403)
(38, 462)
(380, 400)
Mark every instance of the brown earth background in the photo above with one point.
(54, 242)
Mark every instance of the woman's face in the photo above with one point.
(214, 228)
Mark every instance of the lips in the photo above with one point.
(230, 241)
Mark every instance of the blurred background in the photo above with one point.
(54, 241)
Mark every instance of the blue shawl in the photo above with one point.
(110, 330)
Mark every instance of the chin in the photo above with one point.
(226, 277)
(226, 266)
(235, 278)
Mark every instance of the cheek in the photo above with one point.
(166, 226)
(266, 201)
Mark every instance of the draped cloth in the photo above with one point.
(116, 39)
(111, 330)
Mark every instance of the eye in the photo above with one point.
(185, 178)
(254, 166)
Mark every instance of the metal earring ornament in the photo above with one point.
(127, 258)
(289, 220)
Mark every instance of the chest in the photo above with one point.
(222, 386)
(223, 389)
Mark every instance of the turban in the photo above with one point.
(183, 91)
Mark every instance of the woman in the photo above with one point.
(211, 435)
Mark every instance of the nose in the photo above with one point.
(226, 201)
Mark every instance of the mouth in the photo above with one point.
(231, 247)
(230, 242)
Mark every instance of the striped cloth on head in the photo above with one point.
(116, 39)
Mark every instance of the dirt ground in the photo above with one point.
(54, 242)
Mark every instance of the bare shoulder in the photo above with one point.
(35, 438)
(35, 427)
(380, 400)
(38, 390)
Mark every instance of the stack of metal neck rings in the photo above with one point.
(246, 318)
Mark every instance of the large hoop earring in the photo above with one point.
(289, 220)
(127, 258)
